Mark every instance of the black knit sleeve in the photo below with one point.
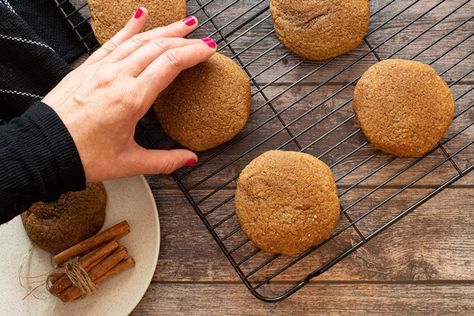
(38, 161)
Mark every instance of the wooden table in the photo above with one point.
(423, 264)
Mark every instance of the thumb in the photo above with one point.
(163, 161)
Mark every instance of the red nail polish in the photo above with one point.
(209, 42)
(138, 13)
(189, 21)
(190, 162)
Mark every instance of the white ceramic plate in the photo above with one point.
(128, 199)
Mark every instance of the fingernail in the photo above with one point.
(138, 13)
(189, 21)
(209, 42)
(190, 162)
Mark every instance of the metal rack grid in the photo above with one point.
(306, 106)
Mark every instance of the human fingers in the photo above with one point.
(134, 26)
(139, 60)
(177, 29)
(161, 72)
(145, 161)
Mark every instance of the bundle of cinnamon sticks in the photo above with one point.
(100, 256)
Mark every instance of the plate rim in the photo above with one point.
(145, 273)
(157, 242)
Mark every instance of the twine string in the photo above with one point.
(79, 277)
(35, 281)
(75, 272)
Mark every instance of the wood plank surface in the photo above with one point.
(424, 264)
(224, 163)
(391, 29)
(435, 242)
(315, 299)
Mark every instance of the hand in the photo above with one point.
(102, 100)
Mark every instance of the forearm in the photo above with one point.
(38, 161)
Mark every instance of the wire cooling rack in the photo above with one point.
(306, 106)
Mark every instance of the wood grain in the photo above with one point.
(422, 265)
(434, 242)
(312, 122)
(388, 18)
(264, 50)
(315, 299)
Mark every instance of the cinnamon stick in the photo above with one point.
(93, 242)
(87, 262)
(123, 265)
(102, 268)
(53, 277)
(92, 258)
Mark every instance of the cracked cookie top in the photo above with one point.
(206, 105)
(403, 107)
(320, 29)
(286, 201)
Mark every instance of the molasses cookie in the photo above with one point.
(286, 201)
(74, 217)
(108, 17)
(206, 105)
(320, 29)
(403, 107)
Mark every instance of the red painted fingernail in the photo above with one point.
(209, 42)
(189, 21)
(138, 13)
(190, 162)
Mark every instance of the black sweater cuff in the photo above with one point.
(39, 161)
